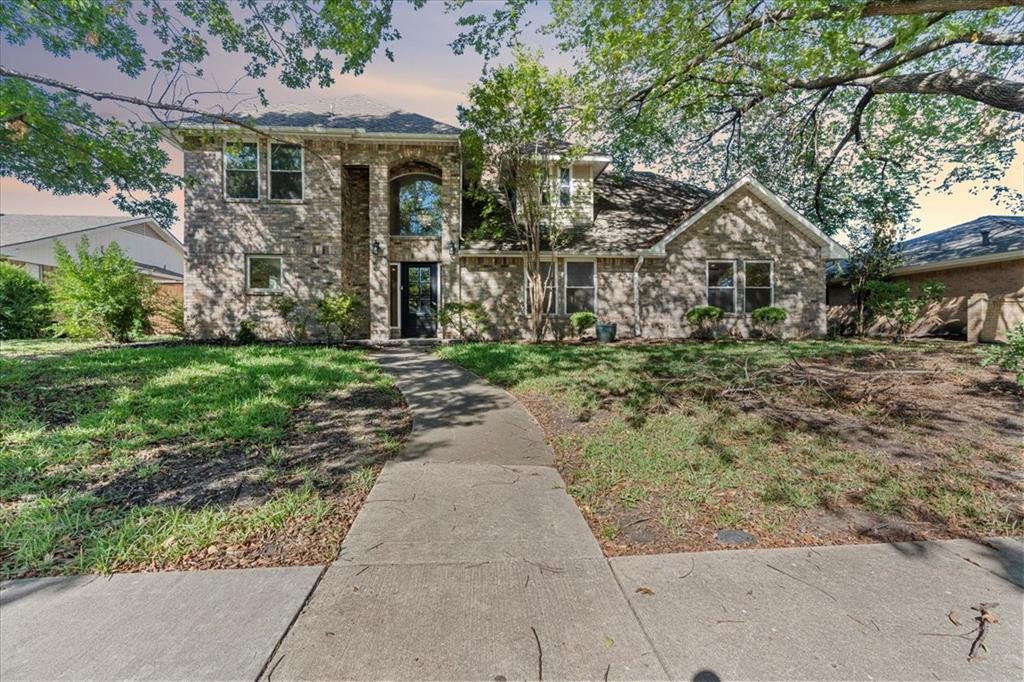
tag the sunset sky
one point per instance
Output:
(425, 77)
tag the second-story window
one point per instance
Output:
(416, 206)
(286, 172)
(241, 170)
(545, 189)
(564, 187)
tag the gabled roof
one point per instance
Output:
(351, 113)
(831, 249)
(966, 242)
(24, 228)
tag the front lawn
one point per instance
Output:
(663, 445)
(186, 456)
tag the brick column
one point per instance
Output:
(977, 311)
(451, 201)
(380, 330)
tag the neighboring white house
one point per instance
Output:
(28, 240)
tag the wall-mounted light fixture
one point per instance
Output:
(375, 247)
(453, 249)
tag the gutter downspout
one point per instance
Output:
(637, 326)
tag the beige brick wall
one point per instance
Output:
(344, 208)
(740, 229)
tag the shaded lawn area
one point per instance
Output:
(37, 348)
(187, 456)
(801, 443)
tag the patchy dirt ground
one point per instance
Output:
(885, 446)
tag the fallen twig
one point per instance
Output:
(801, 580)
(540, 655)
(984, 618)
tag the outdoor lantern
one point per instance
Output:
(452, 249)
(375, 247)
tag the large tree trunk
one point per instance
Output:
(907, 7)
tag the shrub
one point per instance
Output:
(100, 294)
(1009, 356)
(468, 319)
(892, 301)
(582, 321)
(704, 318)
(171, 310)
(768, 320)
(247, 332)
(295, 317)
(25, 310)
(342, 311)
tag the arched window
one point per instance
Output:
(416, 205)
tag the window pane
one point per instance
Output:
(285, 185)
(242, 185)
(286, 157)
(264, 273)
(721, 298)
(579, 299)
(720, 275)
(416, 206)
(579, 274)
(564, 187)
(758, 274)
(240, 156)
(757, 298)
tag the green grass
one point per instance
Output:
(72, 422)
(668, 443)
(15, 348)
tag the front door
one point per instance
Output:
(419, 300)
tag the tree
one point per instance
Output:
(100, 294)
(874, 256)
(848, 109)
(517, 125)
(52, 139)
(25, 310)
(892, 301)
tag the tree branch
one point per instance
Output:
(980, 87)
(852, 134)
(897, 8)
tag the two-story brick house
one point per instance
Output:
(353, 194)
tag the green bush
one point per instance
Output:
(704, 318)
(768, 320)
(25, 310)
(247, 332)
(1009, 356)
(342, 311)
(295, 317)
(892, 301)
(582, 321)
(467, 319)
(100, 294)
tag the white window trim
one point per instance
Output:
(770, 287)
(567, 169)
(708, 287)
(254, 290)
(554, 287)
(224, 170)
(270, 172)
(565, 281)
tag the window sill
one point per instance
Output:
(264, 292)
(432, 237)
(286, 201)
(241, 200)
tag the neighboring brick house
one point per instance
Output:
(349, 193)
(981, 262)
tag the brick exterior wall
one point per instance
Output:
(324, 240)
(1001, 284)
(325, 245)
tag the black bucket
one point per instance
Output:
(605, 332)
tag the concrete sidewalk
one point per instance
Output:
(467, 561)
(199, 625)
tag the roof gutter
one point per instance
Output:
(564, 253)
(173, 133)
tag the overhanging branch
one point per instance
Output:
(991, 90)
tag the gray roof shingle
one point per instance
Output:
(631, 212)
(16, 228)
(341, 113)
(1006, 234)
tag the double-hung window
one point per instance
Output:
(549, 273)
(564, 187)
(721, 285)
(580, 287)
(286, 172)
(241, 170)
(757, 285)
(263, 273)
